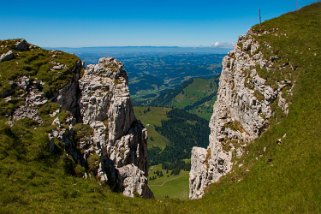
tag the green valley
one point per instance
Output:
(152, 118)
(171, 135)
(196, 95)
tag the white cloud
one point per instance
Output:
(222, 45)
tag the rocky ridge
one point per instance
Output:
(244, 107)
(90, 117)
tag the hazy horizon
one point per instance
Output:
(140, 46)
(117, 51)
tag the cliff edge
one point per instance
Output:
(245, 103)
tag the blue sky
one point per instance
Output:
(71, 23)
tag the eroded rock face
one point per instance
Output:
(198, 171)
(240, 114)
(33, 99)
(68, 97)
(134, 181)
(7, 56)
(22, 45)
(118, 139)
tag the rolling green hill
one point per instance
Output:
(152, 117)
(195, 95)
(172, 133)
(275, 178)
(198, 97)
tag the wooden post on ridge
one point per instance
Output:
(260, 18)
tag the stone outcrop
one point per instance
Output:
(240, 114)
(33, 99)
(7, 56)
(91, 119)
(22, 45)
(118, 138)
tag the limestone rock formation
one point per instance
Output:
(118, 138)
(87, 113)
(22, 45)
(7, 56)
(240, 114)
(33, 98)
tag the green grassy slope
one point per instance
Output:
(286, 178)
(190, 94)
(168, 185)
(152, 117)
(35, 63)
(197, 97)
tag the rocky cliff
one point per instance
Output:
(118, 138)
(246, 101)
(86, 112)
